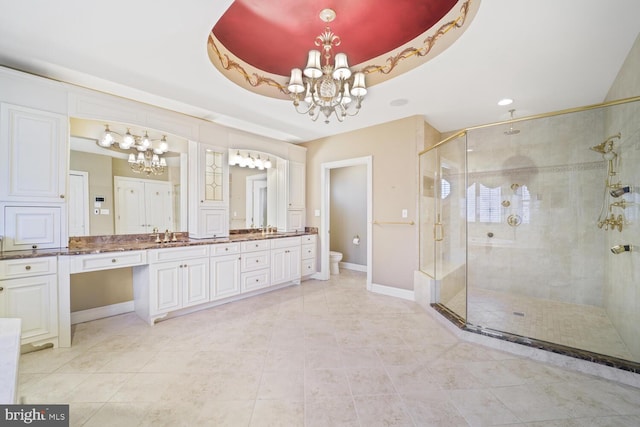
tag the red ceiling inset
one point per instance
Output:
(275, 35)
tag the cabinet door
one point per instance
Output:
(296, 185)
(279, 267)
(295, 263)
(295, 220)
(29, 227)
(213, 176)
(34, 300)
(164, 291)
(225, 276)
(195, 281)
(214, 222)
(33, 153)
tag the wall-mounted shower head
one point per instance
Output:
(617, 192)
(618, 249)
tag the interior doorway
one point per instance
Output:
(325, 213)
(256, 201)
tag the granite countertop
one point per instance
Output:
(136, 242)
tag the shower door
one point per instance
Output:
(443, 247)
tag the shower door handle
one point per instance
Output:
(438, 232)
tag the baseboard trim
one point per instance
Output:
(393, 292)
(351, 266)
(101, 312)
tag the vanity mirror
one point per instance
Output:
(110, 192)
(253, 190)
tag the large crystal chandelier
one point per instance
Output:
(149, 151)
(327, 89)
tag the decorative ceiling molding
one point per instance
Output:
(421, 49)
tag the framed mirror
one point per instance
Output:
(116, 190)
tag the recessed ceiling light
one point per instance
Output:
(505, 101)
(399, 102)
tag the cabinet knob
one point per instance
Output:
(34, 247)
(62, 196)
(257, 280)
(27, 267)
(257, 260)
(1, 289)
(226, 249)
(113, 260)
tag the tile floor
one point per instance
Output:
(579, 326)
(319, 354)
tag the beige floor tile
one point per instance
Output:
(387, 411)
(277, 413)
(331, 412)
(285, 385)
(319, 354)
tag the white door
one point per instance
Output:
(158, 206)
(78, 203)
(129, 207)
(256, 201)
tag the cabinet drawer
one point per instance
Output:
(286, 242)
(254, 261)
(309, 251)
(255, 245)
(180, 253)
(309, 238)
(11, 269)
(225, 249)
(254, 280)
(107, 261)
(308, 266)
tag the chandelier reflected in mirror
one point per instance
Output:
(330, 88)
(149, 160)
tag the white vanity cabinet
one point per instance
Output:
(176, 278)
(285, 260)
(28, 290)
(225, 271)
(209, 191)
(33, 168)
(309, 248)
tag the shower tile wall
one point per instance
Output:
(558, 254)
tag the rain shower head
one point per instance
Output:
(605, 146)
(511, 130)
(618, 249)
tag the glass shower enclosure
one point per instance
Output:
(529, 230)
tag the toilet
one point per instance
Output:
(334, 260)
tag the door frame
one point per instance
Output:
(325, 186)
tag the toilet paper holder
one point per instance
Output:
(356, 240)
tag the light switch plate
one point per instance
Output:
(317, 212)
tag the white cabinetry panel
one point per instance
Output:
(33, 146)
(31, 227)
